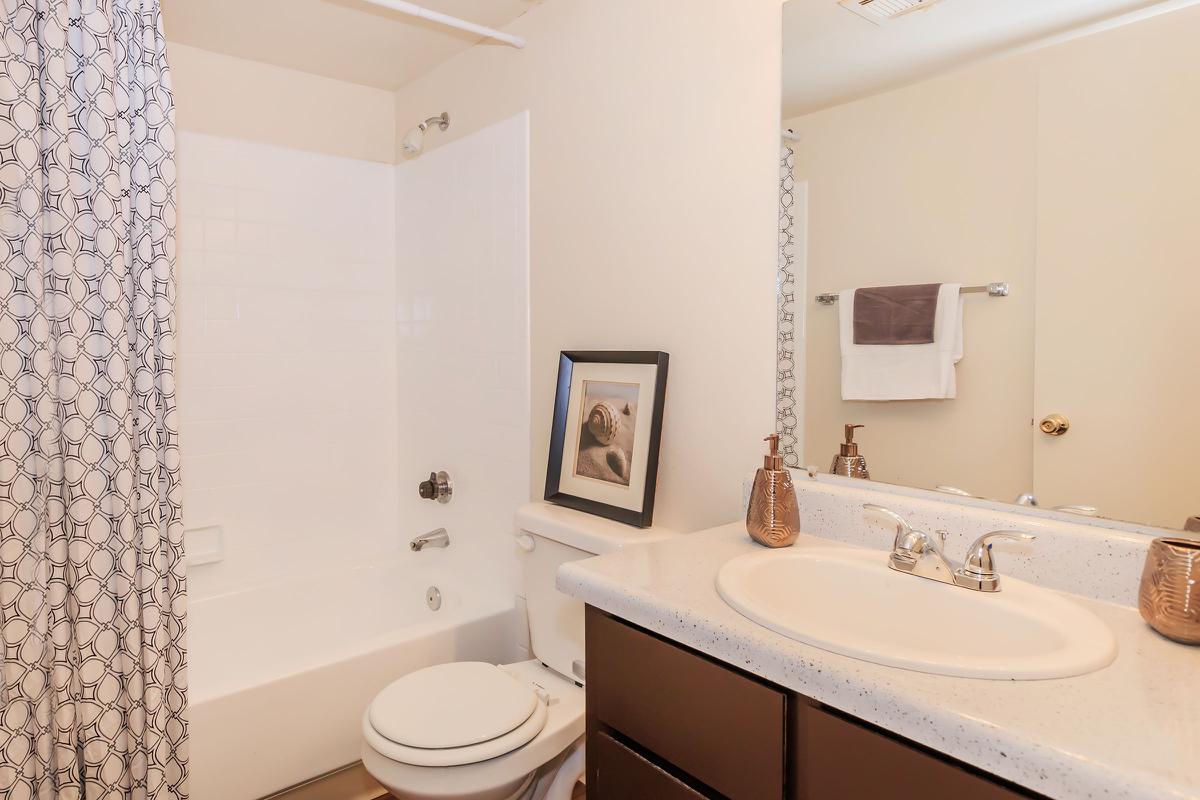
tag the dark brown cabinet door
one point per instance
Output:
(833, 758)
(714, 724)
(618, 773)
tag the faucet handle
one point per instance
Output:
(908, 543)
(902, 527)
(979, 566)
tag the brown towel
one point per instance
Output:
(895, 314)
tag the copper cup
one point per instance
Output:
(1169, 598)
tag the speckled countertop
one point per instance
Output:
(1131, 730)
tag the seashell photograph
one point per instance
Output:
(608, 420)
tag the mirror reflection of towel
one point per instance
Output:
(895, 314)
(903, 371)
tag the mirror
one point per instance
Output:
(1047, 145)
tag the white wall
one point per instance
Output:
(654, 182)
(226, 96)
(462, 227)
(287, 373)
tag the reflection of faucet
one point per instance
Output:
(1028, 499)
(917, 553)
(1085, 511)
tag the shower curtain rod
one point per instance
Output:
(414, 10)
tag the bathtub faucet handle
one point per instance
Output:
(439, 487)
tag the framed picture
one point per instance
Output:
(608, 412)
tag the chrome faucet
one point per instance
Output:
(436, 538)
(917, 553)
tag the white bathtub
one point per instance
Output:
(279, 674)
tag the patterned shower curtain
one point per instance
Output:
(92, 611)
(785, 323)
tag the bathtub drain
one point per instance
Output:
(433, 598)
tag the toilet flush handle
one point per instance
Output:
(577, 667)
(526, 542)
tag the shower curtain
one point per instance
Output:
(92, 617)
(785, 323)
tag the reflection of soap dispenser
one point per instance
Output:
(848, 462)
(773, 516)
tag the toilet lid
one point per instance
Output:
(455, 756)
(452, 705)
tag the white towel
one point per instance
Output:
(903, 371)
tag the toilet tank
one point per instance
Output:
(549, 536)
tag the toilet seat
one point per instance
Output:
(454, 714)
(456, 756)
(496, 778)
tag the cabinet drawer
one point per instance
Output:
(836, 758)
(717, 725)
(620, 774)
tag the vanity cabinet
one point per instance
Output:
(666, 723)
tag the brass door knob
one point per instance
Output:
(1055, 425)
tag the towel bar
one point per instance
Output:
(993, 290)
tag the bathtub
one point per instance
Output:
(279, 674)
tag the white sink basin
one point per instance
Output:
(848, 601)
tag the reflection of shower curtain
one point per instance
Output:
(785, 344)
(92, 620)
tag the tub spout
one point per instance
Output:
(437, 538)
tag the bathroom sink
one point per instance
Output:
(848, 601)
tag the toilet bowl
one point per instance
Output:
(478, 759)
(477, 731)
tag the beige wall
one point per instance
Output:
(1069, 172)
(934, 182)
(226, 96)
(654, 135)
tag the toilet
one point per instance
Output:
(470, 730)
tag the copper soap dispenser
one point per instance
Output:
(773, 516)
(848, 463)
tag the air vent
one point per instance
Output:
(881, 11)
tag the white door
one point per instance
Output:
(1118, 291)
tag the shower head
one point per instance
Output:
(414, 141)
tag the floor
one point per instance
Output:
(580, 793)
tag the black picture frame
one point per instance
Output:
(567, 360)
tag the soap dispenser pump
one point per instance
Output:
(848, 463)
(773, 515)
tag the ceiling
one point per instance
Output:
(831, 55)
(350, 40)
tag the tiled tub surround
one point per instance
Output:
(1131, 730)
(287, 380)
(346, 328)
(462, 307)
